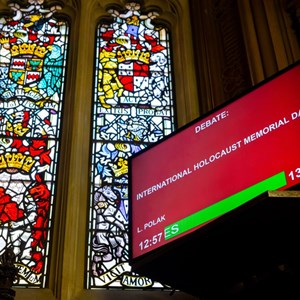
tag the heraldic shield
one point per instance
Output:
(27, 63)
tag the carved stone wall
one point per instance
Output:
(217, 31)
(293, 9)
(238, 44)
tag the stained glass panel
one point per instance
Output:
(33, 47)
(133, 108)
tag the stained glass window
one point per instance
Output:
(133, 107)
(33, 47)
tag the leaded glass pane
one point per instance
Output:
(132, 108)
(33, 47)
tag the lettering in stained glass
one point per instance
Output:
(133, 107)
(33, 47)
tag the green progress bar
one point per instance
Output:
(215, 210)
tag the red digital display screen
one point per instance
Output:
(216, 163)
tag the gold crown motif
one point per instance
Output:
(4, 40)
(16, 128)
(28, 49)
(143, 56)
(17, 160)
(121, 167)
